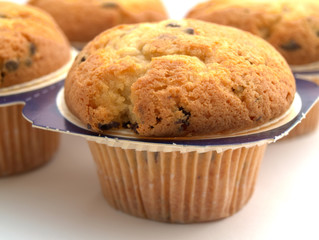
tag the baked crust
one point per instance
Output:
(291, 26)
(32, 45)
(178, 78)
(82, 20)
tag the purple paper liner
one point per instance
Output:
(41, 109)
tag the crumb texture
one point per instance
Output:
(82, 20)
(32, 45)
(291, 26)
(177, 78)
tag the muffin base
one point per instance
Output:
(177, 187)
(22, 147)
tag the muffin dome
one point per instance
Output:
(32, 45)
(291, 26)
(177, 78)
(82, 20)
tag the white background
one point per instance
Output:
(62, 200)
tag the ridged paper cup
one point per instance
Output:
(310, 123)
(179, 180)
(22, 147)
(177, 187)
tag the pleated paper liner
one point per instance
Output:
(177, 183)
(177, 187)
(22, 147)
(310, 123)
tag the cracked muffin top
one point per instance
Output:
(178, 78)
(291, 26)
(82, 20)
(32, 45)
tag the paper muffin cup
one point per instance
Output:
(22, 147)
(178, 180)
(310, 123)
(177, 187)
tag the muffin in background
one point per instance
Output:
(82, 20)
(291, 26)
(32, 46)
(172, 79)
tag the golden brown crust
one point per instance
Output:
(291, 26)
(32, 45)
(82, 20)
(178, 78)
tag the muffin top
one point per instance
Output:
(32, 45)
(177, 78)
(82, 20)
(291, 26)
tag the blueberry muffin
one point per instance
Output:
(32, 46)
(82, 20)
(292, 27)
(178, 78)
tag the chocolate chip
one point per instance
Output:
(11, 65)
(158, 120)
(173, 25)
(108, 126)
(28, 62)
(32, 49)
(317, 33)
(88, 126)
(110, 5)
(291, 45)
(83, 59)
(151, 127)
(184, 121)
(190, 31)
(2, 15)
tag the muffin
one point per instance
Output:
(171, 80)
(82, 20)
(32, 46)
(292, 27)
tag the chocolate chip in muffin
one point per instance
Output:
(110, 5)
(291, 45)
(184, 121)
(83, 59)
(317, 33)
(173, 25)
(11, 65)
(32, 49)
(190, 31)
(2, 15)
(158, 120)
(108, 126)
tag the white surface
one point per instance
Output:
(62, 200)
